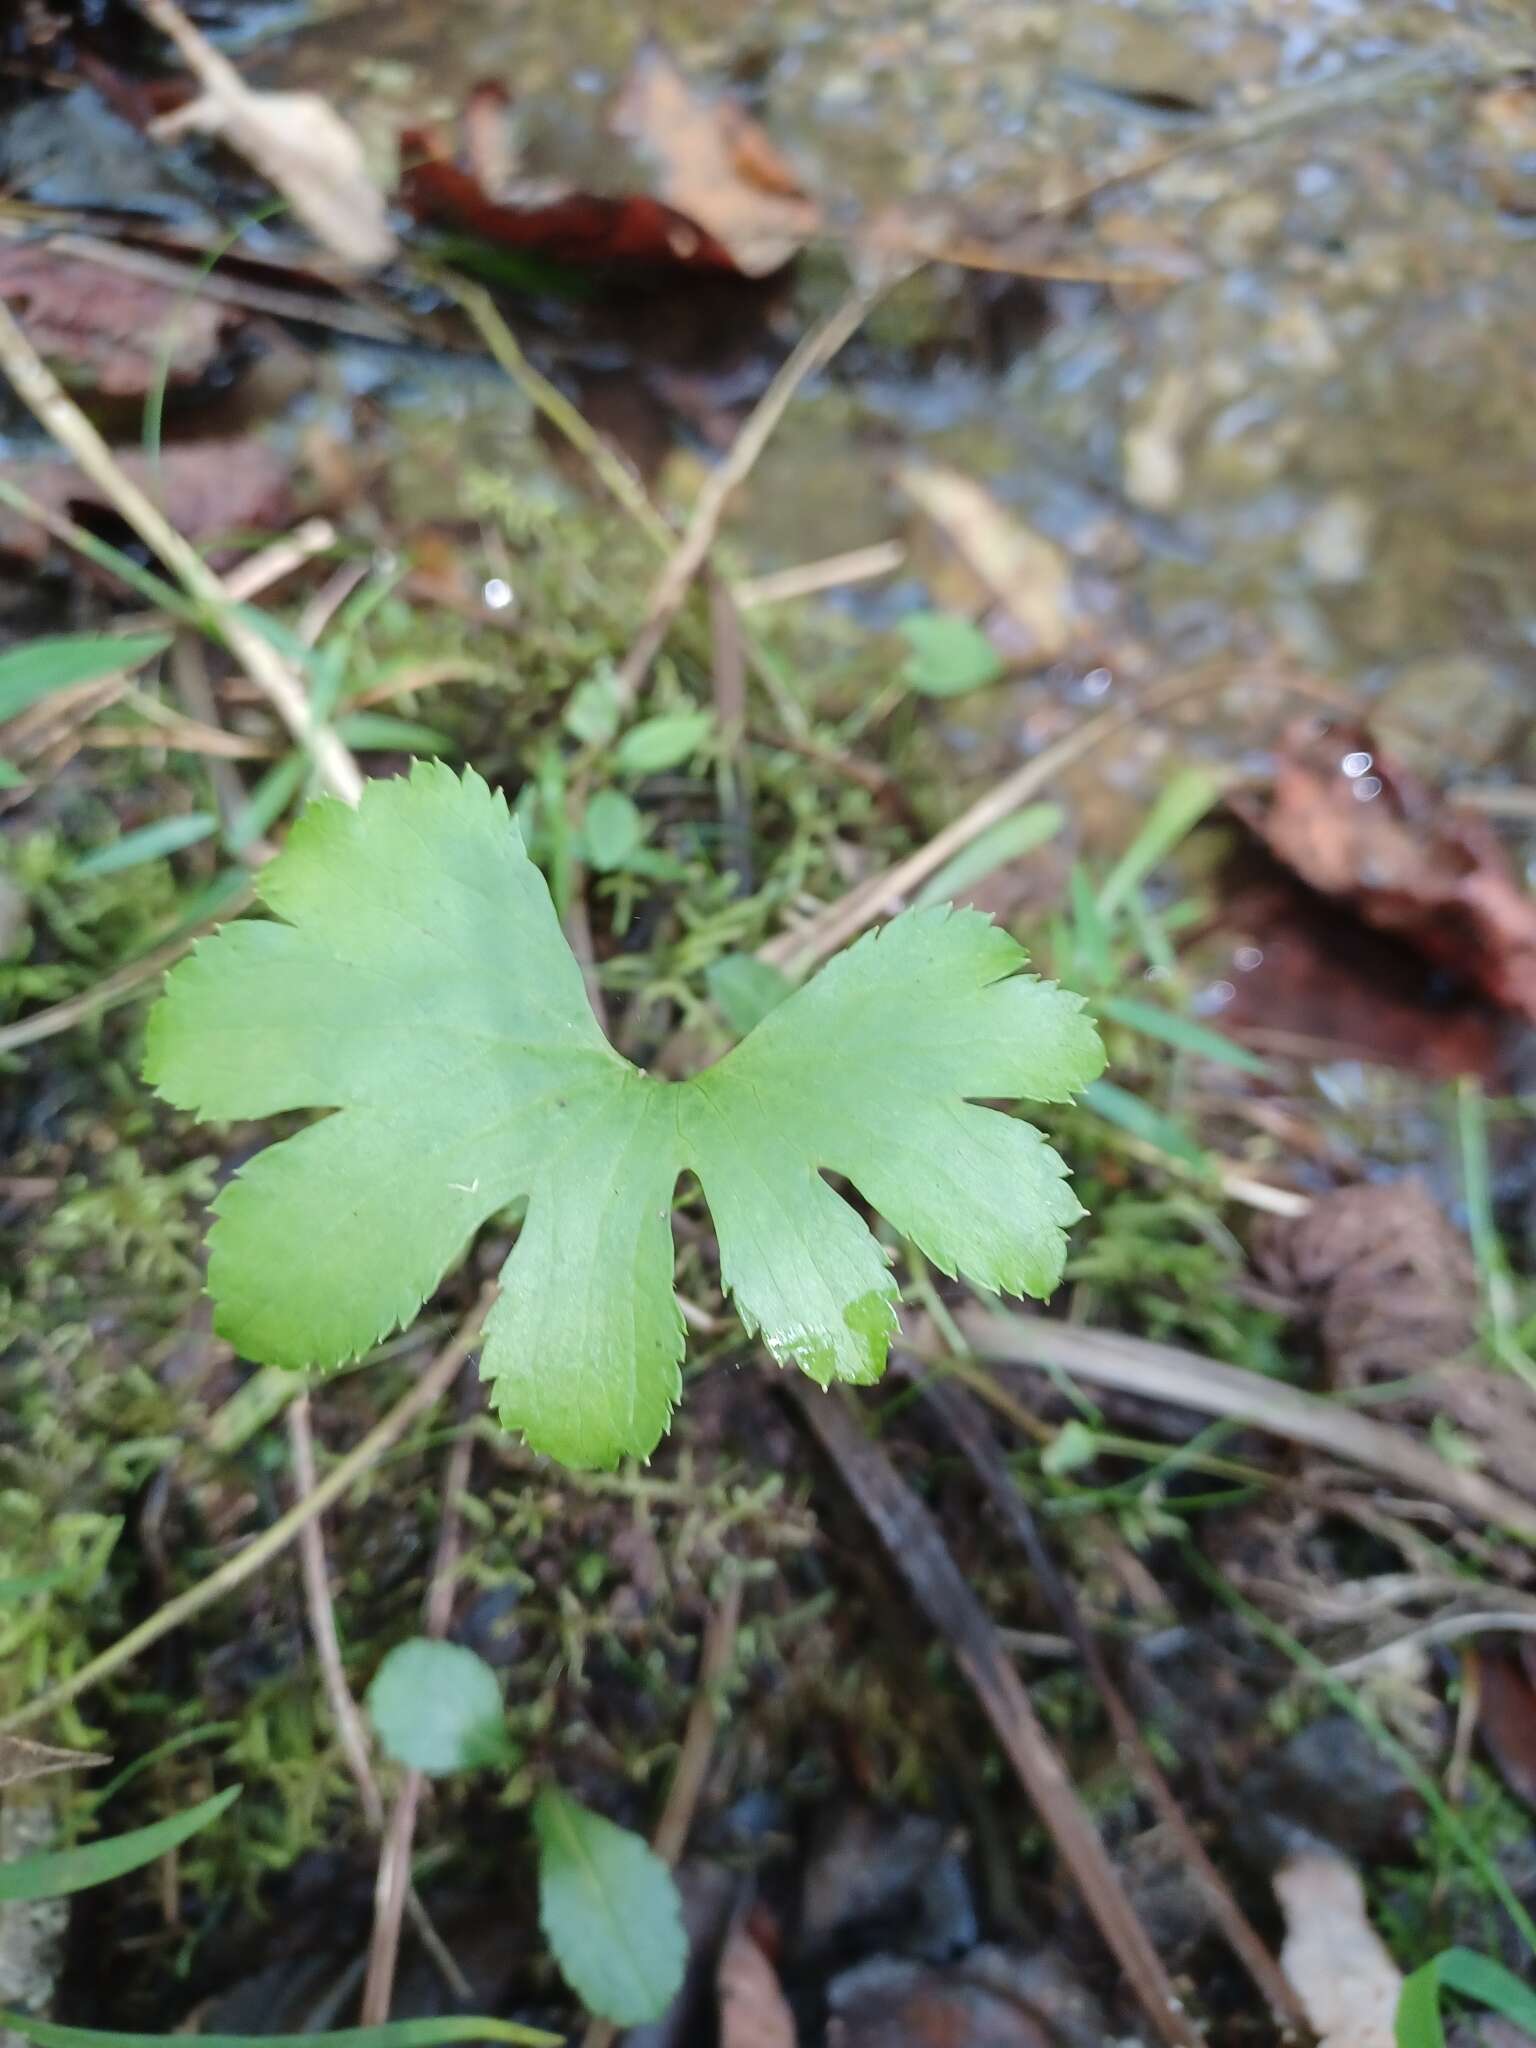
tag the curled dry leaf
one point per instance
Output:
(21, 1760)
(206, 489)
(754, 2012)
(1506, 1714)
(1392, 1284)
(716, 165)
(1335, 1959)
(1026, 573)
(106, 330)
(296, 140)
(1359, 829)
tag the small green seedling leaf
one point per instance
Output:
(592, 711)
(30, 673)
(55, 1872)
(949, 655)
(657, 744)
(437, 1707)
(1419, 2022)
(416, 981)
(746, 989)
(609, 1910)
(381, 732)
(614, 828)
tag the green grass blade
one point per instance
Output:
(1141, 1120)
(1480, 1977)
(1175, 814)
(30, 673)
(393, 2034)
(1010, 839)
(56, 1872)
(1417, 2023)
(150, 842)
(1182, 1032)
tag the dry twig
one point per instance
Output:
(813, 352)
(36, 384)
(911, 1536)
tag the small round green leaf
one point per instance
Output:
(949, 655)
(614, 829)
(656, 744)
(438, 1708)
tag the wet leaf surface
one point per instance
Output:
(107, 330)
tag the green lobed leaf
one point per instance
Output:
(30, 673)
(609, 1910)
(438, 1708)
(419, 985)
(53, 1873)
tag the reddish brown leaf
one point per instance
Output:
(754, 2012)
(1362, 831)
(207, 489)
(1506, 1719)
(107, 330)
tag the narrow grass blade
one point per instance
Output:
(1010, 839)
(1418, 2023)
(151, 842)
(1480, 1977)
(1140, 1120)
(30, 673)
(58, 1871)
(1178, 809)
(393, 2034)
(1182, 1032)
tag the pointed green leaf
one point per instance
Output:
(420, 987)
(55, 1872)
(30, 673)
(438, 1708)
(949, 655)
(609, 1910)
(391, 2034)
(656, 744)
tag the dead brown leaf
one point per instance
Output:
(206, 489)
(716, 165)
(754, 2012)
(21, 1760)
(1361, 830)
(1333, 1956)
(1025, 572)
(296, 140)
(107, 330)
(1506, 1717)
(1392, 1283)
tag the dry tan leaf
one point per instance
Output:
(21, 1760)
(1027, 573)
(716, 165)
(1333, 1956)
(295, 139)
(754, 2012)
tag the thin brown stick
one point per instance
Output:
(350, 1729)
(832, 572)
(919, 1552)
(427, 1391)
(693, 1759)
(803, 946)
(393, 1891)
(36, 384)
(967, 1424)
(812, 353)
(1165, 1372)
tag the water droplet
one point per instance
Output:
(1212, 998)
(498, 595)
(1367, 787)
(1097, 683)
(1246, 958)
(1355, 765)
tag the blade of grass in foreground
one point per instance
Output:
(58, 1871)
(394, 2034)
